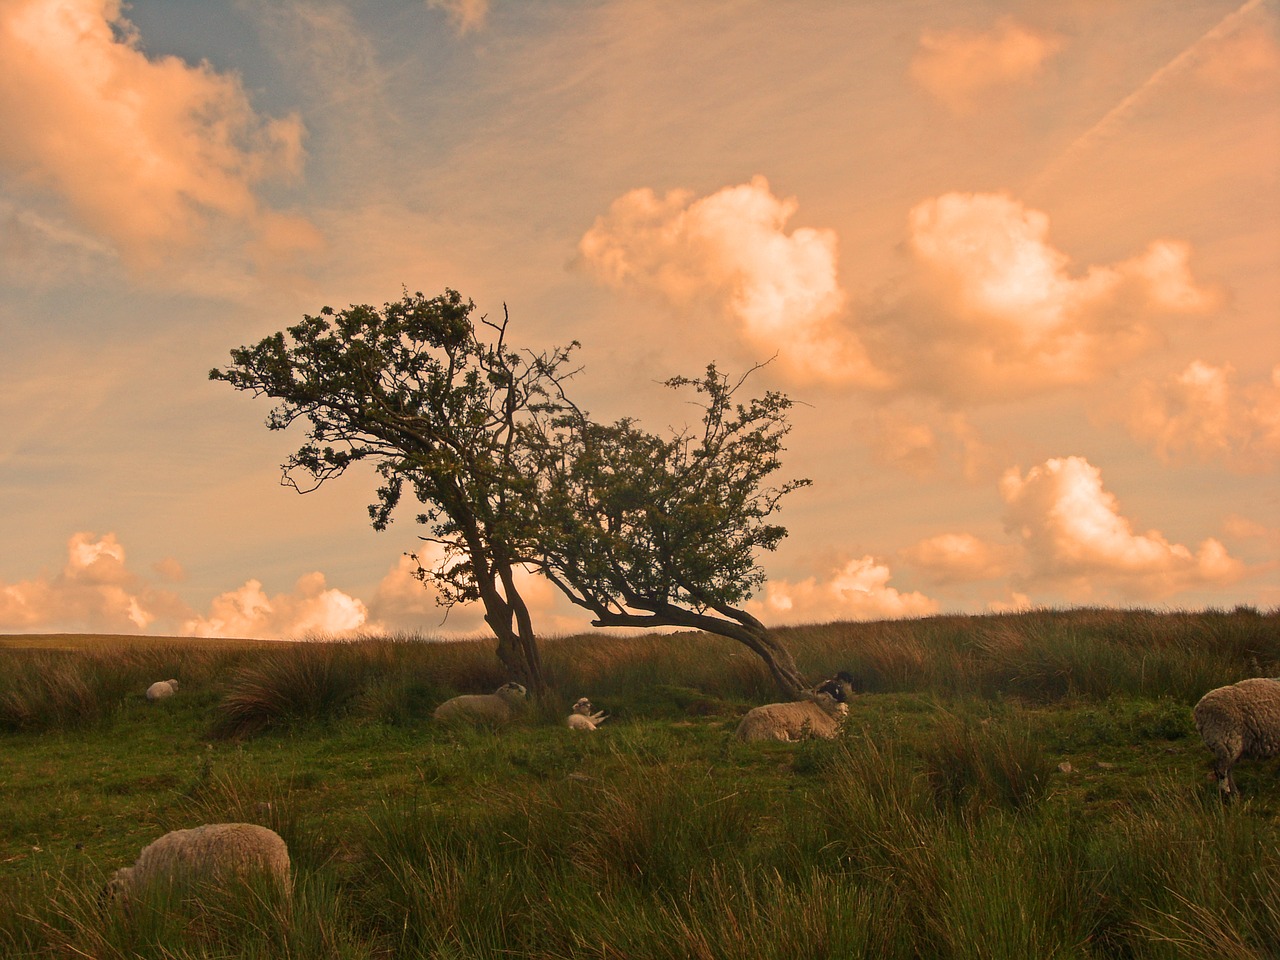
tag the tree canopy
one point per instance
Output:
(640, 529)
(645, 530)
(413, 389)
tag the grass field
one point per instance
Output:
(1025, 786)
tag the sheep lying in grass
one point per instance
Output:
(842, 687)
(484, 708)
(818, 715)
(1239, 722)
(582, 718)
(216, 854)
(161, 689)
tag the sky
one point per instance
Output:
(1018, 264)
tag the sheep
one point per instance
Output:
(1237, 722)
(818, 715)
(582, 718)
(841, 687)
(484, 708)
(217, 854)
(161, 689)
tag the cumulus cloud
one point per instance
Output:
(858, 590)
(1075, 537)
(1202, 414)
(731, 249)
(988, 308)
(402, 602)
(312, 609)
(962, 558)
(992, 310)
(465, 15)
(143, 151)
(959, 66)
(94, 591)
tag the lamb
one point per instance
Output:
(484, 708)
(582, 718)
(161, 689)
(217, 854)
(1240, 721)
(818, 715)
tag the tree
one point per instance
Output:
(647, 531)
(413, 390)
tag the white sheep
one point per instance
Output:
(161, 689)
(582, 718)
(1240, 721)
(217, 854)
(484, 708)
(818, 715)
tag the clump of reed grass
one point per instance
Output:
(973, 765)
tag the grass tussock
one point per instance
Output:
(1016, 786)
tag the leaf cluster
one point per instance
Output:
(636, 521)
(413, 389)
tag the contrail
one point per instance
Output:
(1126, 107)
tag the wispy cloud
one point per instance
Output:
(1201, 413)
(145, 152)
(464, 15)
(959, 67)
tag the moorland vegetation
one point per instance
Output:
(1021, 785)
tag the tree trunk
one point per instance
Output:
(517, 650)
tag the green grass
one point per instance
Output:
(1012, 786)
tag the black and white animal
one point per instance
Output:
(842, 687)
(1240, 722)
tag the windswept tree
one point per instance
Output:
(413, 390)
(647, 531)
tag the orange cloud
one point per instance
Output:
(730, 249)
(859, 590)
(1200, 413)
(465, 15)
(958, 66)
(94, 591)
(311, 610)
(143, 151)
(961, 558)
(991, 309)
(1246, 61)
(1075, 537)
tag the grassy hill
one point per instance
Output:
(1025, 785)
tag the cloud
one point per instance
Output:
(858, 590)
(465, 15)
(404, 603)
(145, 152)
(730, 249)
(959, 66)
(992, 310)
(962, 558)
(1075, 537)
(94, 592)
(313, 609)
(924, 444)
(988, 308)
(1200, 413)
(1247, 61)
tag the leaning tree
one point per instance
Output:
(646, 530)
(415, 391)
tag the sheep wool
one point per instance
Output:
(489, 709)
(819, 715)
(217, 854)
(161, 689)
(583, 718)
(1240, 722)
